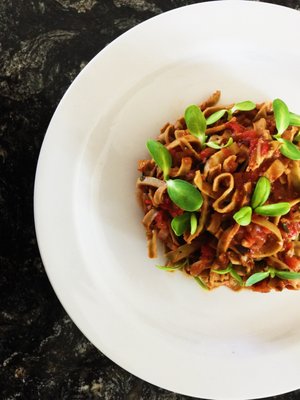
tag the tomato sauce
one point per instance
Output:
(253, 237)
(169, 206)
(293, 263)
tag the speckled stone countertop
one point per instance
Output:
(43, 46)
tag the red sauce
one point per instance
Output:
(291, 229)
(243, 177)
(280, 192)
(265, 147)
(235, 127)
(293, 263)
(169, 206)
(161, 220)
(252, 236)
(207, 252)
(204, 154)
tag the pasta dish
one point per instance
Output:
(221, 191)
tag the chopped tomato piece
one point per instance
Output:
(204, 154)
(264, 148)
(235, 127)
(293, 263)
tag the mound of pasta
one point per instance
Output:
(221, 191)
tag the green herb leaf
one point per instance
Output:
(180, 223)
(273, 210)
(196, 122)
(161, 156)
(261, 192)
(237, 277)
(289, 149)
(214, 145)
(175, 267)
(294, 119)
(223, 271)
(287, 274)
(193, 223)
(184, 194)
(200, 282)
(243, 216)
(215, 117)
(272, 272)
(282, 115)
(243, 106)
(257, 277)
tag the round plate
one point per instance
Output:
(161, 326)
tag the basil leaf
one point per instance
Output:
(223, 271)
(289, 149)
(261, 192)
(193, 223)
(215, 117)
(200, 282)
(243, 106)
(214, 145)
(287, 274)
(184, 194)
(161, 156)
(170, 267)
(257, 277)
(180, 223)
(243, 216)
(273, 210)
(281, 114)
(195, 122)
(237, 277)
(294, 119)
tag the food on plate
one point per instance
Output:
(221, 191)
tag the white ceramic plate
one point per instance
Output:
(161, 326)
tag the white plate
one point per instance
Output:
(160, 326)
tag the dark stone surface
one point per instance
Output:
(43, 46)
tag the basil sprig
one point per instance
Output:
(161, 156)
(174, 267)
(284, 118)
(181, 223)
(294, 119)
(289, 150)
(195, 122)
(257, 277)
(274, 210)
(242, 106)
(260, 196)
(261, 192)
(272, 272)
(193, 223)
(231, 271)
(201, 283)
(243, 216)
(215, 116)
(282, 115)
(217, 146)
(182, 193)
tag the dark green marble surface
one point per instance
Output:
(43, 46)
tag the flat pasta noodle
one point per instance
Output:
(226, 177)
